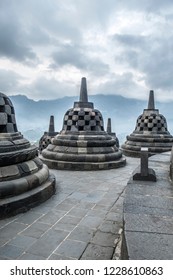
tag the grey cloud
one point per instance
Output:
(158, 66)
(9, 81)
(95, 11)
(151, 56)
(132, 41)
(12, 42)
(75, 55)
(97, 68)
(50, 20)
(32, 23)
(148, 6)
(11, 47)
(71, 55)
(123, 84)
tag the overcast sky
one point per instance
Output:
(121, 46)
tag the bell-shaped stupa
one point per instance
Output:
(45, 140)
(24, 179)
(109, 131)
(82, 143)
(150, 131)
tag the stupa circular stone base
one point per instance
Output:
(155, 143)
(84, 166)
(23, 186)
(83, 151)
(135, 150)
(24, 201)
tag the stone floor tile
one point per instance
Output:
(97, 213)
(64, 206)
(47, 243)
(133, 209)
(42, 209)
(51, 217)
(78, 195)
(27, 256)
(10, 230)
(97, 252)
(28, 218)
(81, 233)
(102, 207)
(113, 216)
(4, 258)
(22, 241)
(67, 219)
(78, 212)
(7, 221)
(60, 257)
(10, 251)
(85, 205)
(64, 226)
(3, 241)
(91, 222)
(110, 226)
(36, 230)
(107, 202)
(149, 223)
(94, 196)
(71, 248)
(150, 201)
(157, 246)
(103, 239)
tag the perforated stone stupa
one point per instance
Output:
(45, 140)
(24, 180)
(109, 131)
(151, 131)
(82, 143)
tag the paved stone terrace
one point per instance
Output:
(148, 214)
(81, 221)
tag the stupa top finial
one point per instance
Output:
(51, 125)
(109, 128)
(83, 91)
(151, 105)
(83, 99)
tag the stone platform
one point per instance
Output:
(84, 219)
(148, 215)
(81, 221)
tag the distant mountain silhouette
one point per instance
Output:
(33, 116)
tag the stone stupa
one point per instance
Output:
(45, 140)
(82, 143)
(150, 132)
(113, 134)
(24, 180)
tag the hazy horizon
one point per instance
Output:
(122, 111)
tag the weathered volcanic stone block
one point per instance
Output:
(3, 118)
